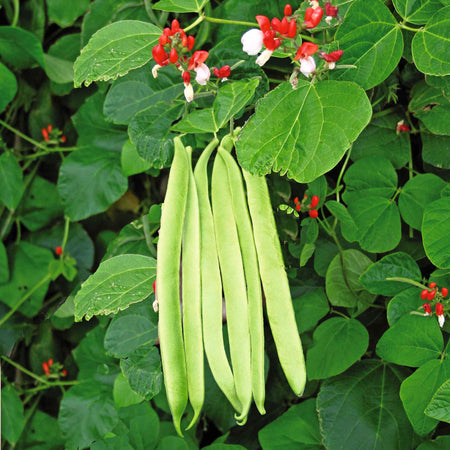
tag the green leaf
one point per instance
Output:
(8, 87)
(430, 44)
(123, 394)
(11, 180)
(90, 181)
(431, 107)
(342, 282)
(378, 222)
(41, 205)
(115, 50)
(232, 98)
(42, 431)
(371, 41)
(198, 121)
(348, 226)
(139, 90)
(132, 163)
(309, 307)
(4, 268)
(65, 13)
(93, 129)
(438, 408)
(58, 70)
(130, 330)
(435, 149)
(412, 341)
(371, 176)
(13, 421)
(440, 443)
(298, 425)
(324, 254)
(143, 371)
(394, 265)
(117, 283)
(381, 139)
(436, 232)
(182, 6)
(87, 408)
(403, 303)
(303, 131)
(417, 11)
(172, 443)
(338, 344)
(29, 267)
(416, 194)
(417, 391)
(20, 49)
(150, 132)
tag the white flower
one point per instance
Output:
(188, 92)
(155, 69)
(307, 66)
(441, 320)
(203, 74)
(263, 57)
(252, 41)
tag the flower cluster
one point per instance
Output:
(434, 295)
(52, 136)
(53, 369)
(311, 208)
(173, 48)
(272, 33)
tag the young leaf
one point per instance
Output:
(117, 283)
(381, 423)
(303, 132)
(338, 344)
(412, 341)
(403, 303)
(65, 13)
(115, 50)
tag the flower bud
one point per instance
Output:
(288, 10)
(188, 92)
(444, 292)
(263, 57)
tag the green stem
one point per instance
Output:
(411, 176)
(51, 385)
(407, 280)
(196, 22)
(396, 194)
(385, 112)
(150, 13)
(16, 13)
(23, 136)
(6, 224)
(66, 232)
(230, 22)
(333, 311)
(341, 173)
(50, 150)
(24, 370)
(148, 237)
(24, 299)
(406, 27)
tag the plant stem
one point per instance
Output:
(382, 113)
(406, 27)
(196, 22)
(333, 311)
(50, 385)
(230, 22)
(341, 173)
(24, 370)
(148, 237)
(6, 224)
(23, 299)
(407, 280)
(16, 13)
(66, 232)
(23, 136)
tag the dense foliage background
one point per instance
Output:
(369, 138)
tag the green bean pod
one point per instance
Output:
(191, 295)
(234, 287)
(280, 311)
(252, 277)
(211, 286)
(168, 270)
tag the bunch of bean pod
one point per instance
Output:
(229, 247)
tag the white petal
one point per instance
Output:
(263, 57)
(307, 66)
(441, 320)
(252, 41)
(188, 92)
(203, 74)
(155, 69)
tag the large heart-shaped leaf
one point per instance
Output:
(438, 407)
(303, 131)
(115, 50)
(417, 11)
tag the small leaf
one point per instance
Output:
(430, 44)
(309, 307)
(63, 13)
(348, 226)
(399, 264)
(8, 87)
(440, 443)
(403, 303)
(417, 391)
(298, 425)
(182, 6)
(338, 344)
(198, 121)
(117, 283)
(13, 421)
(132, 163)
(11, 180)
(436, 232)
(58, 70)
(303, 132)
(435, 149)
(123, 394)
(412, 341)
(114, 50)
(438, 408)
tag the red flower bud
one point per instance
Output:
(427, 308)
(431, 295)
(184, 41)
(160, 55)
(276, 24)
(173, 56)
(298, 207)
(306, 49)
(313, 16)
(58, 250)
(288, 10)
(223, 72)
(175, 26)
(64, 372)
(284, 26)
(424, 294)
(45, 134)
(167, 32)
(187, 79)
(50, 362)
(46, 368)
(444, 292)
(331, 10)
(401, 127)
(154, 286)
(439, 309)
(163, 39)
(332, 56)
(190, 42)
(292, 29)
(314, 201)
(313, 213)
(50, 128)
(296, 200)
(63, 138)
(432, 285)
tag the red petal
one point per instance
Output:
(292, 30)
(263, 23)
(276, 24)
(284, 26)
(190, 42)
(173, 56)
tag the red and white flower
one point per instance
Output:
(304, 54)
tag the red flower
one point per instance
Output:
(173, 56)
(314, 201)
(313, 213)
(313, 16)
(332, 56)
(444, 292)
(401, 127)
(46, 368)
(160, 55)
(427, 309)
(197, 59)
(424, 294)
(331, 11)
(223, 72)
(306, 49)
(58, 250)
